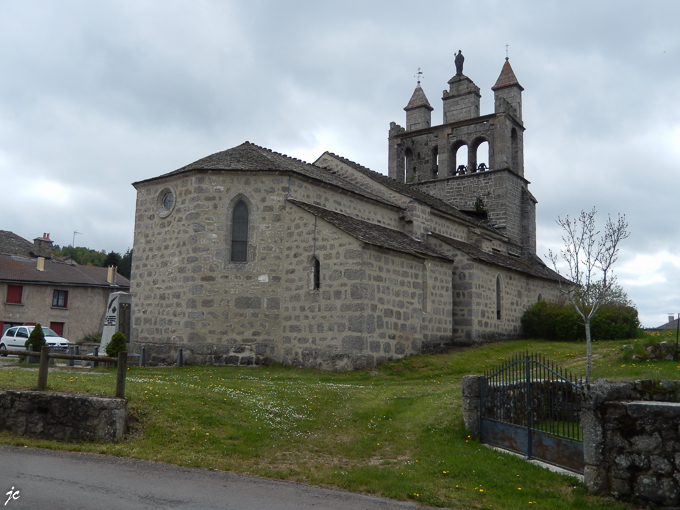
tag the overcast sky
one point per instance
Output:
(97, 95)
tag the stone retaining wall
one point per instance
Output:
(63, 416)
(631, 432)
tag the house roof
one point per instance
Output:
(371, 233)
(251, 157)
(533, 266)
(13, 244)
(15, 268)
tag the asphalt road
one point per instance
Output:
(44, 479)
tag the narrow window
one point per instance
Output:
(540, 297)
(60, 298)
(14, 293)
(498, 297)
(239, 233)
(514, 149)
(317, 274)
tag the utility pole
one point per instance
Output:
(73, 243)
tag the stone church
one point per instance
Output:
(249, 256)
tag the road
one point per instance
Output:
(45, 479)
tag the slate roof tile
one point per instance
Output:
(14, 268)
(373, 234)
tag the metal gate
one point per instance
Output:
(533, 407)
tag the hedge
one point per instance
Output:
(553, 321)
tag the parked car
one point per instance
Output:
(15, 338)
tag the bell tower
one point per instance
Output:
(474, 162)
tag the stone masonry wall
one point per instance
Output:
(63, 417)
(474, 300)
(631, 434)
(500, 190)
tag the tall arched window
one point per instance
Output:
(317, 274)
(498, 297)
(239, 233)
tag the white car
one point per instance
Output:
(15, 338)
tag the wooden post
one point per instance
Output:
(43, 367)
(120, 374)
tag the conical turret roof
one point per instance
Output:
(507, 78)
(418, 99)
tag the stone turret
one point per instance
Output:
(418, 111)
(508, 93)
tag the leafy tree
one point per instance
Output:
(125, 267)
(590, 257)
(112, 259)
(36, 338)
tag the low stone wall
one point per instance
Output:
(631, 433)
(63, 416)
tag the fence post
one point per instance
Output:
(529, 398)
(71, 350)
(142, 357)
(44, 366)
(95, 364)
(180, 358)
(120, 374)
(29, 359)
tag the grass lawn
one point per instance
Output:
(395, 431)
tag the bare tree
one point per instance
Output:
(590, 257)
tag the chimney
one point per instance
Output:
(111, 275)
(42, 246)
(671, 318)
(41, 263)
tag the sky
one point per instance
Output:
(97, 95)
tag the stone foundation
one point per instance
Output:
(63, 416)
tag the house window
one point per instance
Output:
(317, 274)
(60, 298)
(14, 294)
(239, 233)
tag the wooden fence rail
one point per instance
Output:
(45, 356)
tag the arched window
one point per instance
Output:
(482, 158)
(435, 162)
(540, 297)
(498, 297)
(239, 233)
(317, 274)
(409, 168)
(460, 159)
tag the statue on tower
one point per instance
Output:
(459, 63)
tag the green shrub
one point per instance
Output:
(36, 338)
(116, 345)
(553, 321)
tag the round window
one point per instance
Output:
(165, 202)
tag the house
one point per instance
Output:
(37, 288)
(248, 256)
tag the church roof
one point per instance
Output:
(507, 78)
(414, 192)
(251, 157)
(14, 268)
(371, 233)
(533, 267)
(418, 99)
